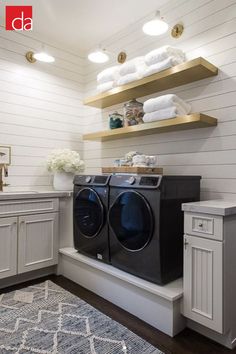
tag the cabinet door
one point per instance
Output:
(203, 285)
(8, 247)
(37, 241)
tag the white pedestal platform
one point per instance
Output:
(157, 305)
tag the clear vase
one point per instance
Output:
(63, 181)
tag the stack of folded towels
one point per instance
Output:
(162, 58)
(164, 107)
(157, 60)
(107, 78)
(131, 70)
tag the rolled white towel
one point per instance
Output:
(165, 101)
(165, 113)
(163, 53)
(132, 66)
(109, 74)
(123, 80)
(106, 86)
(163, 65)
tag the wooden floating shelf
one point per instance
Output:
(134, 169)
(191, 121)
(184, 73)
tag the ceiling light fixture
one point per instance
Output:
(155, 27)
(40, 56)
(99, 56)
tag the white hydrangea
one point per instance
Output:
(64, 160)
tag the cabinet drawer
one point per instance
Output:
(28, 206)
(207, 226)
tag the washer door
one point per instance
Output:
(131, 220)
(88, 212)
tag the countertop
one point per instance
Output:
(34, 195)
(215, 207)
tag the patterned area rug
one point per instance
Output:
(46, 319)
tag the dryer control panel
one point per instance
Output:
(136, 181)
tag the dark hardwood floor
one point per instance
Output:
(187, 342)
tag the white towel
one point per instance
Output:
(123, 80)
(109, 74)
(165, 113)
(163, 65)
(165, 101)
(163, 53)
(132, 66)
(106, 86)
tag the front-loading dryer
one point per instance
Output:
(90, 207)
(146, 224)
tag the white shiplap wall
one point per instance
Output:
(40, 107)
(210, 31)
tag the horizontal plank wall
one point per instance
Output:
(210, 31)
(40, 107)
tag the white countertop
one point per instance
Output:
(216, 207)
(34, 194)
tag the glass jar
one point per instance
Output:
(116, 120)
(133, 113)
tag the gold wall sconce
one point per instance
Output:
(40, 56)
(177, 30)
(121, 58)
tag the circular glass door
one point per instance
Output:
(88, 212)
(131, 220)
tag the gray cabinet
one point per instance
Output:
(8, 247)
(203, 289)
(209, 269)
(37, 241)
(28, 236)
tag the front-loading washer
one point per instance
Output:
(90, 207)
(146, 224)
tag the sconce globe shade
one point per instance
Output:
(155, 27)
(98, 56)
(42, 56)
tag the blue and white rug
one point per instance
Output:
(47, 319)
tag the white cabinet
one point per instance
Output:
(28, 236)
(8, 247)
(203, 301)
(37, 241)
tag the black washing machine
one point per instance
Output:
(90, 207)
(146, 224)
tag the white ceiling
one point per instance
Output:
(79, 25)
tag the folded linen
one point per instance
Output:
(109, 74)
(165, 113)
(162, 65)
(132, 66)
(129, 78)
(165, 101)
(163, 53)
(105, 86)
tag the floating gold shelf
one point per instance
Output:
(191, 121)
(185, 73)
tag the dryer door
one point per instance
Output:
(131, 220)
(88, 212)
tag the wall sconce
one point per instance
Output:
(40, 56)
(177, 30)
(100, 55)
(155, 27)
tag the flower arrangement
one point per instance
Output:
(64, 160)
